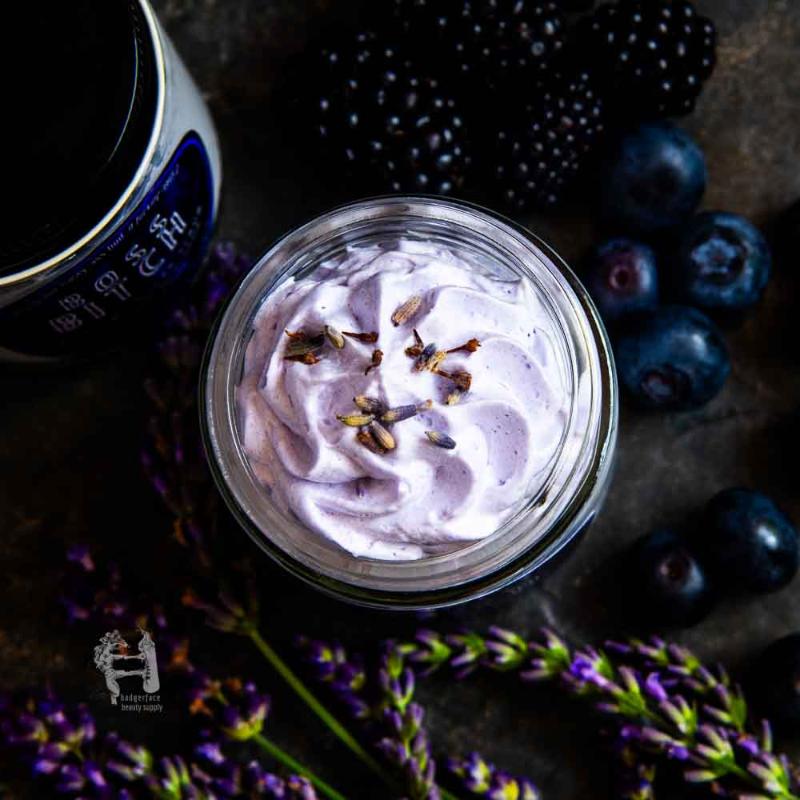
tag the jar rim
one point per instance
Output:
(11, 279)
(393, 583)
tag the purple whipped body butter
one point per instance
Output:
(300, 423)
(410, 402)
(113, 180)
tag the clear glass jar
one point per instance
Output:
(544, 522)
(128, 224)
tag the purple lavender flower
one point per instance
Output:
(127, 761)
(507, 650)
(383, 701)
(330, 664)
(655, 688)
(59, 744)
(483, 779)
(236, 709)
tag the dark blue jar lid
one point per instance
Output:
(79, 104)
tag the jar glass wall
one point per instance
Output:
(543, 521)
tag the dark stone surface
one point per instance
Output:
(69, 460)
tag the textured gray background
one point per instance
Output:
(69, 456)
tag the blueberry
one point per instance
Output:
(666, 582)
(673, 358)
(747, 542)
(776, 682)
(654, 179)
(723, 262)
(622, 278)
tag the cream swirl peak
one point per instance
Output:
(369, 333)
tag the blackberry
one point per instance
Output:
(389, 121)
(654, 55)
(493, 42)
(540, 154)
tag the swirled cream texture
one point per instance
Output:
(418, 498)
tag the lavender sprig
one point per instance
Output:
(662, 699)
(59, 744)
(382, 701)
(406, 742)
(483, 779)
(502, 650)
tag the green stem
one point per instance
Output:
(296, 767)
(280, 666)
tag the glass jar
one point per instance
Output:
(544, 523)
(114, 182)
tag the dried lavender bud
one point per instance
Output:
(368, 404)
(368, 338)
(366, 439)
(441, 439)
(428, 352)
(377, 359)
(382, 436)
(468, 347)
(308, 358)
(406, 311)
(301, 346)
(414, 351)
(334, 336)
(355, 420)
(461, 378)
(398, 414)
